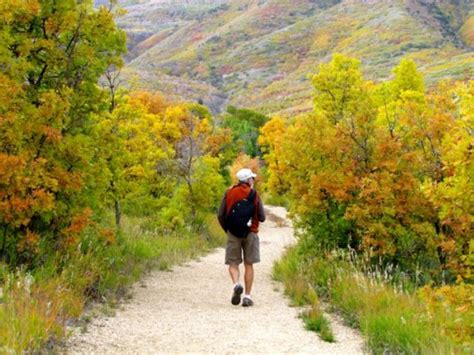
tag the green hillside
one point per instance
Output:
(258, 53)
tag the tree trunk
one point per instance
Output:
(118, 214)
(4, 240)
(191, 197)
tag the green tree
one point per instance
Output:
(245, 125)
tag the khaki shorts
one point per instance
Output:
(250, 246)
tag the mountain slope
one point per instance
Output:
(258, 53)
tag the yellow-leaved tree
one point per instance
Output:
(381, 168)
(51, 57)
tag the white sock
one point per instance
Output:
(248, 296)
(237, 283)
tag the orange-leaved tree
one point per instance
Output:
(51, 57)
(381, 167)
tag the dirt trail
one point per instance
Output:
(189, 310)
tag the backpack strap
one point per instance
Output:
(252, 195)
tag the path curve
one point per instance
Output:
(189, 310)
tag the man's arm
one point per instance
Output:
(260, 210)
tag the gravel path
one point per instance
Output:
(189, 310)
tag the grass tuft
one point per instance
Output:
(316, 321)
(302, 293)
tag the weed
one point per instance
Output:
(316, 321)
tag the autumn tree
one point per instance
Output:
(133, 143)
(338, 86)
(51, 57)
(371, 167)
(162, 159)
(270, 141)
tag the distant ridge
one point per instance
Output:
(258, 53)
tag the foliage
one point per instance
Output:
(158, 152)
(270, 141)
(68, 155)
(244, 125)
(453, 304)
(71, 152)
(158, 163)
(244, 161)
(386, 169)
(51, 55)
(467, 31)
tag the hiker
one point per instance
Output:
(240, 212)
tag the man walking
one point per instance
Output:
(247, 242)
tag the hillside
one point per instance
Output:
(258, 53)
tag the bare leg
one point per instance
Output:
(248, 278)
(234, 272)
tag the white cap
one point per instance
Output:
(245, 174)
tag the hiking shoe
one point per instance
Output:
(247, 302)
(238, 289)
